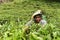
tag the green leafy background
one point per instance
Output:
(15, 14)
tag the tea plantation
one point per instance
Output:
(16, 13)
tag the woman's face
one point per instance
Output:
(38, 19)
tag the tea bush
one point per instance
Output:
(14, 15)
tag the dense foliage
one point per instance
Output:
(14, 15)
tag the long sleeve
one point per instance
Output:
(29, 23)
